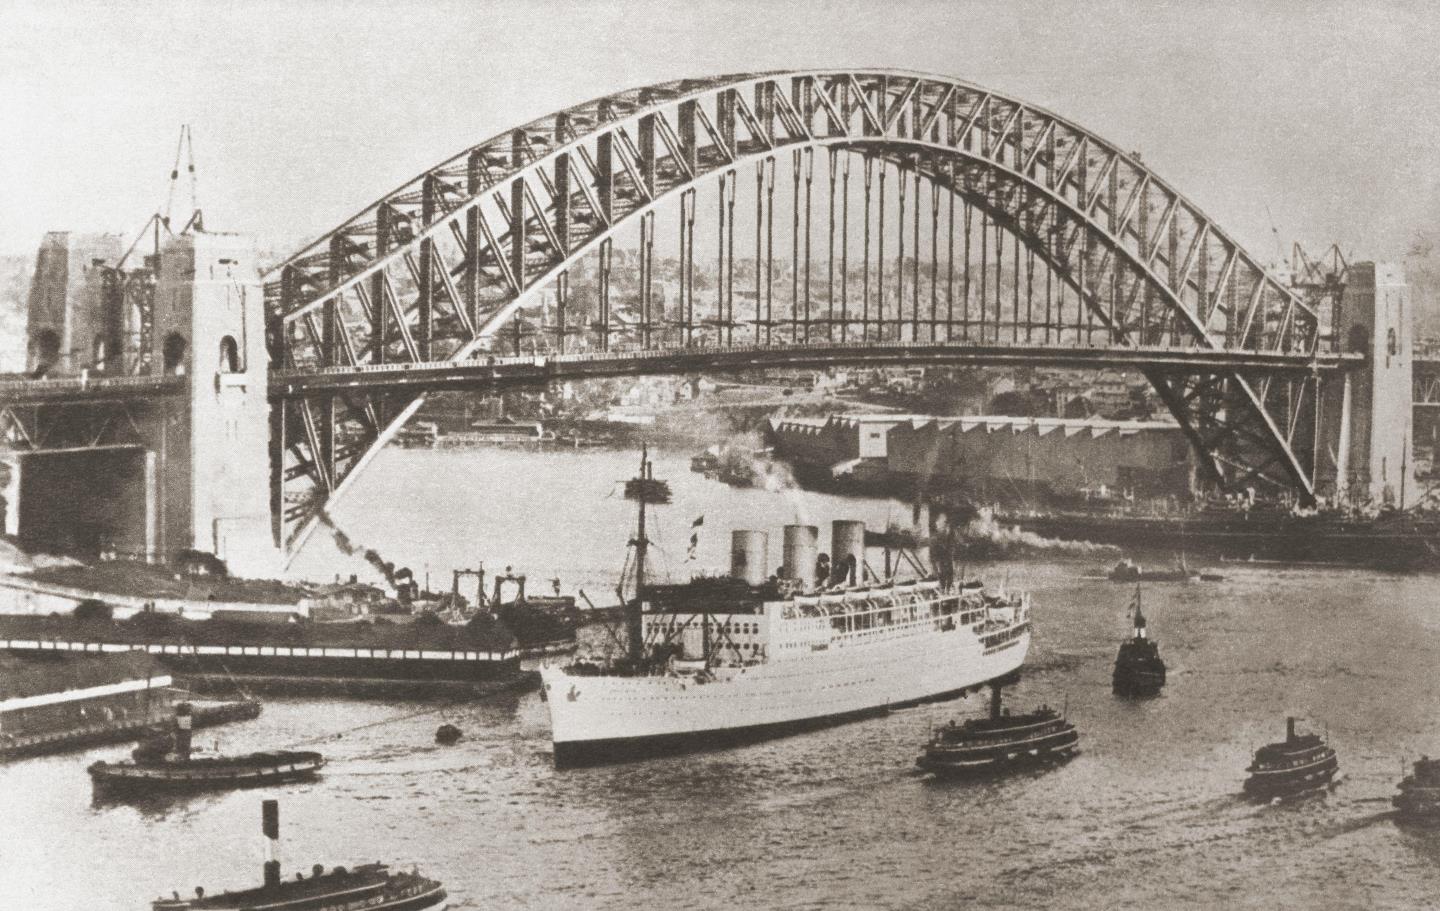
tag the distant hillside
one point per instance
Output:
(14, 290)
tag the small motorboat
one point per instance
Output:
(1298, 765)
(367, 886)
(1000, 742)
(169, 764)
(1139, 669)
(1419, 797)
(1129, 570)
(447, 735)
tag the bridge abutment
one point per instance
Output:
(1367, 413)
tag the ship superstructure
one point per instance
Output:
(718, 661)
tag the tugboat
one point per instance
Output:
(1000, 742)
(1300, 764)
(1139, 670)
(1419, 797)
(365, 886)
(167, 765)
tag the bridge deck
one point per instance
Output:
(75, 390)
(518, 370)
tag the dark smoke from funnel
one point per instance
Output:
(350, 549)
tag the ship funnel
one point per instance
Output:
(847, 551)
(802, 547)
(183, 726)
(1289, 730)
(748, 556)
(270, 828)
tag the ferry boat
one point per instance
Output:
(1139, 669)
(1419, 797)
(170, 765)
(374, 887)
(720, 661)
(1299, 764)
(1000, 741)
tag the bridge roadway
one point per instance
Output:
(519, 370)
(89, 388)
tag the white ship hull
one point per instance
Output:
(596, 719)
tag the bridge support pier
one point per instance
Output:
(212, 471)
(1366, 419)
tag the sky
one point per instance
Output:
(1316, 121)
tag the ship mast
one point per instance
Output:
(645, 490)
(633, 629)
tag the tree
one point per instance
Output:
(93, 609)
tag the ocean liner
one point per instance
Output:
(719, 661)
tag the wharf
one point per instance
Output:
(120, 731)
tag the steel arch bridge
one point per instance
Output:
(513, 251)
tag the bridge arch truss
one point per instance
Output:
(516, 246)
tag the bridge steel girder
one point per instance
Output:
(1427, 381)
(495, 217)
(79, 426)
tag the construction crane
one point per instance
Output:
(186, 145)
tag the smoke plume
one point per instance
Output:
(985, 534)
(350, 549)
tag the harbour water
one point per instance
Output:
(1148, 812)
